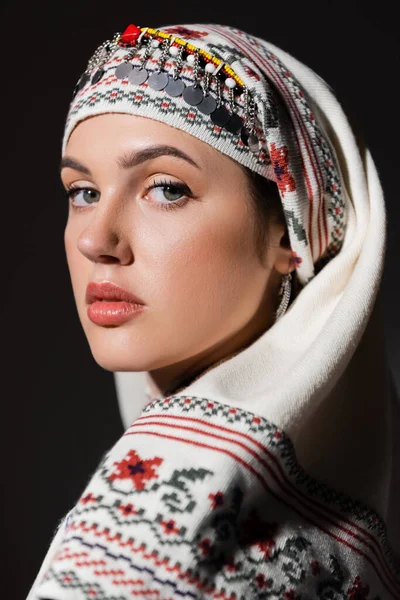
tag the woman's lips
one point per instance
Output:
(107, 290)
(110, 304)
(112, 313)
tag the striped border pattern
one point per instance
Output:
(191, 477)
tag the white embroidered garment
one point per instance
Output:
(273, 474)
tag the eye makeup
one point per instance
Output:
(167, 187)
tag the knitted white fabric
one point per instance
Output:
(273, 474)
(294, 148)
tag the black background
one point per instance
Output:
(61, 410)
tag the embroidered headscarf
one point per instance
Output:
(272, 474)
(231, 90)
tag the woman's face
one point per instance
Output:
(167, 218)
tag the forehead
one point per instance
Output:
(114, 133)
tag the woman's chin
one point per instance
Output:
(120, 356)
(137, 356)
(121, 363)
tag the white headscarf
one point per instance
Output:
(313, 392)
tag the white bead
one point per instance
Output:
(191, 59)
(210, 68)
(174, 51)
(230, 83)
(155, 43)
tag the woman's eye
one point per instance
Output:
(172, 192)
(83, 196)
(168, 193)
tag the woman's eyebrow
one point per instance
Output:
(71, 163)
(140, 156)
(133, 159)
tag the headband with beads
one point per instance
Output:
(212, 76)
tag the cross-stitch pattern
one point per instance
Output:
(239, 519)
(293, 147)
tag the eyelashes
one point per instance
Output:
(165, 194)
(90, 194)
(172, 188)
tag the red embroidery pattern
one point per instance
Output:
(216, 499)
(279, 157)
(357, 590)
(253, 527)
(127, 509)
(185, 32)
(251, 73)
(169, 526)
(139, 471)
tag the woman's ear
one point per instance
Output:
(284, 261)
(285, 240)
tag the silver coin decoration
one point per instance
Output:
(158, 81)
(138, 75)
(83, 81)
(80, 84)
(123, 70)
(220, 116)
(193, 95)
(235, 124)
(207, 105)
(253, 143)
(175, 87)
(244, 136)
(206, 91)
(97, 76)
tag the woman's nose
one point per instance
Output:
(103, 239)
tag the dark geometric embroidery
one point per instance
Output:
(297, 227)
(320, 143)
(194, 532)
(277, 441)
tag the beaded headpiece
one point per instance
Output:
(229, 89)
(215, 82)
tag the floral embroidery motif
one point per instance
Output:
(137, 470)
(127, 509)
(169, 526)
(144, 528)
(88, 498)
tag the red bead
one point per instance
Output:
(131, 34)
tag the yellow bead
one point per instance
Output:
(212, 59)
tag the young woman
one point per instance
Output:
(226, 241)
